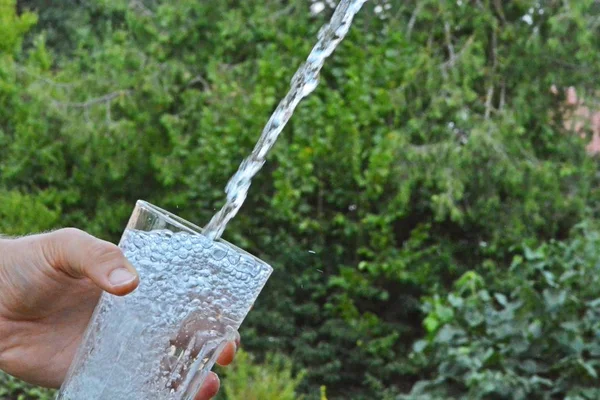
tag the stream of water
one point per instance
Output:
(303, 83)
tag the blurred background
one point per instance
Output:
(431, 211)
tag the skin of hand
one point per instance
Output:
(49, 286)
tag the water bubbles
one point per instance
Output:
(138, 242)
(205, 242)
(178, 285)
(203, 273)
(234, 258)
(218, 252)
(241, 276)
(183, 254)
(195, 303)
(248, 267)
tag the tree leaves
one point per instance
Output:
(430, 157)
(534, 342)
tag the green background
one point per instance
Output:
(432, 223)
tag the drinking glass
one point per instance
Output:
(161, 341)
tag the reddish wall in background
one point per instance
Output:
(579, 118)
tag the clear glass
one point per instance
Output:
(161, 341)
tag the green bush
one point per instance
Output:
(13, 389)
(431, 148)
(532, 336)
(21, 214)
(271, 380)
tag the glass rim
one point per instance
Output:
(192, 228)
(171, 218)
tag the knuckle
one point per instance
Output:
(105, 252)
(68, 244)
(68, 233)
(53, 245)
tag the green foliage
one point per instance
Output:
(13, 26)
(431, 152)
(21, 214)
(534, 336)
(13, 389)
(271, 380)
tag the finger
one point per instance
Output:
(227, 355)
(79, 255)
(210, 387)
(238, 340)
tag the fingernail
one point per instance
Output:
(120, 276)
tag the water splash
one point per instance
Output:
(304, 82)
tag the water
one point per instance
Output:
(303, 83)
(193, 296)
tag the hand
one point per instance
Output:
(49, 286)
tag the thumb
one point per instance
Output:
(79, 254)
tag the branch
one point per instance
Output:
(433, 148)
(282, 12)
(108, 114)
(102, 99)
(490, 92)
(488, 101)
(449, 39)
(145, 11)
(452, 60)
(199, 79)
(25, 71)
(564, 64)
(502, 95)
(498, 7)
(413, 19)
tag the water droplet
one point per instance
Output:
(218, 251)
(234, 258)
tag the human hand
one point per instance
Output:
(49, 286)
